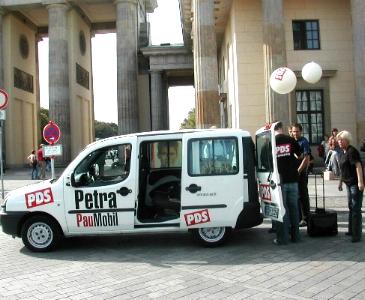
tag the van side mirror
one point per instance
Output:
(73, 182)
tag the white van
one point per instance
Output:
(203, 181)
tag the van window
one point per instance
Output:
(104, 166)
(165, 154)
(263, 152)
(218, 156)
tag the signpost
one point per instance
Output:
(4, 98)
(52, 134)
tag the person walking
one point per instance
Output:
(353, 176)
(303, 172)
(287, 152)
(32, 158)
(41, 162)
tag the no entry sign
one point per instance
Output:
(51, 133)
(3, 99)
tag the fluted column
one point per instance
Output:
(1, 49)
(277, 106)
(127, 43)
(165, 97)
(157, 101)
(205, 64)
(59, 90)
(358, 32)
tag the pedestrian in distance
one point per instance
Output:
(353, 176)
(32, 158)
(41, 162)
(287, 152)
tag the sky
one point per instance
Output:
(104, 60)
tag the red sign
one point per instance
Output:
(38, 198)
(265, 192)
(197, 217)
(3, 99)
(51, 133)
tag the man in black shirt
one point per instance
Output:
(352, 175)
(286, 149)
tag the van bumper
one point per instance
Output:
(250, 216)
(10, 222)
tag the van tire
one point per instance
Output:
(40, 234)
(211, 236)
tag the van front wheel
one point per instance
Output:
(212, 236)
(40, 234)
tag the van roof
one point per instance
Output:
(171, 132)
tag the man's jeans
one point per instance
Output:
(354, 197)
(291, 218)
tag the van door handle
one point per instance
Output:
(193, 188)
(124, 191)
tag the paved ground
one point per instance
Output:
(171, 266)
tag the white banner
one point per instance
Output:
(54, 150)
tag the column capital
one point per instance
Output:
(55, 3)
(134, 2)
(155, 71)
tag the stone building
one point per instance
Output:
(243, 41)
(230, 49)
(69, 25)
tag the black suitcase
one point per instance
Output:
(322, 221)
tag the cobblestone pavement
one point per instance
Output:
(171, 266)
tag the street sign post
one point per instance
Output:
(4, 99)
(52, 134)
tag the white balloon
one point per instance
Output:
(283, 80)
(312, 72)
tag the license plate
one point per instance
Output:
(271, 211)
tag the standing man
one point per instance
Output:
(353, 176)
(303, 172)
(41, 162)
(287, 149)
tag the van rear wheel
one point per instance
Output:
(212, 236)
(40, 234)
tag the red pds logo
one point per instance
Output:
(197, 217)
(38, 198)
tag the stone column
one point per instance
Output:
(127, 43)
(358, 33)
(157, 101)
(205, 64)
(59, 90)
(165, 97)
(1, 50)
(277, 106)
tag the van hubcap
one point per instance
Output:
(40, 235)
(212, 234)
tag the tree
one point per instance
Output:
(44, 117)
(189, 122)
(104, 130)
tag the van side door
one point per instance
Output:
(212, 179)
(267, 174)
(100, 191)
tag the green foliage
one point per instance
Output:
(43, 117)
(189, 122)
(104, 130)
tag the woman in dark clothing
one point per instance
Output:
(352, 175)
